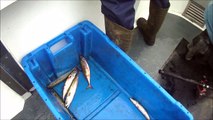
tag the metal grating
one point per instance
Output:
(195, 13)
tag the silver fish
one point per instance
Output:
(61, 102)
(86, 70)
(59, 80)
(69, 81)
(71, 92)
(140, 108)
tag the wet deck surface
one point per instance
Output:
(185, 92)
(151, 59)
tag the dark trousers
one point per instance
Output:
(122, 12)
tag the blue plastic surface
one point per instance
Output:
(115, 78)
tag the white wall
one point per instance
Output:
(25, 25)
(178, 6)
(10, 102)
(5, 3)
(143, 10)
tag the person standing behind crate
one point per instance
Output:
(203, 43)
(119, 18)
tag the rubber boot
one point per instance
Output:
(118, 34)
(199, 45)
(150, 27)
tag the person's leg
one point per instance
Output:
(199, 45)
(203, 42)
(208, 16)
(121, 12)
(157, 12)
(162, 3)
(119, 20)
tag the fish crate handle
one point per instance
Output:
(60, 42)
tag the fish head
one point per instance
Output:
(73, 72)
(69, 76)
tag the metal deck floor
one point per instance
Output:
(149, 58)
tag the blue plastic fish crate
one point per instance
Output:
(115, 78)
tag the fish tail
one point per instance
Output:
(79, 69)
(89, 87)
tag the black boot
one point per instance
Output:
(199, 45)
(150, 27)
